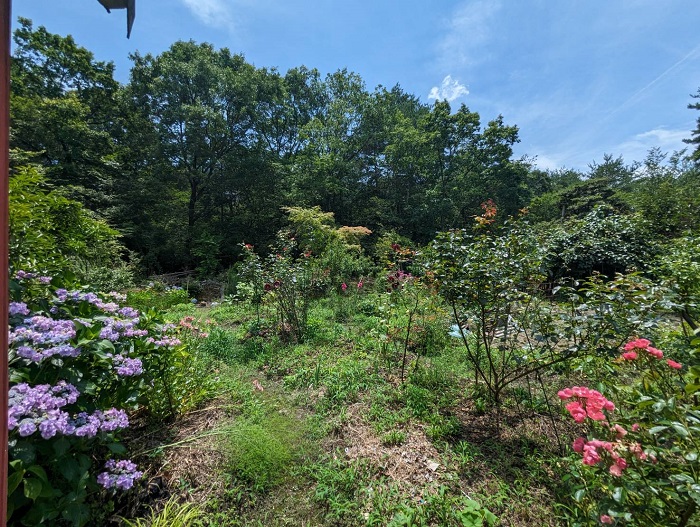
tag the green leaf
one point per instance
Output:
(680, 429)
(77, 514)
(694, 493)
(14, 480)
(117, 448)
(618, 494)
(39, 472)
(690, 389)
(32, 488)
(61, 446)
(682, 478)
(656, 429)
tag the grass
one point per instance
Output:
(325, 434)
(173, 514)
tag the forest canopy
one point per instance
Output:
(200, 151)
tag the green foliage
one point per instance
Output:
(50, 232)
(509, 330)
(223, 345)
(695, 139)
(602, 243)
(679, 264)
(290, 285)
(441, 509)
(336, 251)
(260, 452)
(173, 514)
(157, 296)
(63, 107)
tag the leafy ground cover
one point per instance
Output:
(325, 433)
(457, 386)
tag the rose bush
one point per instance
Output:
(638, 464)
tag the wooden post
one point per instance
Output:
(5, 10)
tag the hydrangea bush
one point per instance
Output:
(638, 464)
(78, 363)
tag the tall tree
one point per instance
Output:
(198, 102)
(695, 139)
(63, 106)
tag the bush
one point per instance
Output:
(78, 364)
(607, 244)
(49, 232)
(260, 453)
(157, 296)
(638, 463)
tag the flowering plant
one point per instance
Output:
(638, 463)
(77, 363)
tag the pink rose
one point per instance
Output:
(673, 364)
(620, 432)
(655, 353)
(566, 393)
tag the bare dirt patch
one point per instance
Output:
(413, 464)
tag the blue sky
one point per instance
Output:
(580, 78)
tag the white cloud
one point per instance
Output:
(545, 162)
(638, 146)
(467, 33)
(214, 13)
(450, 89)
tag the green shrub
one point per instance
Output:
(51, 233)
(598, 242)
(260, 451)
(157, 296)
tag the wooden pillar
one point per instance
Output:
(5, 10)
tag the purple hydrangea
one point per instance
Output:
(87, 425)
(129, 312)
(119, 475)
(56, 422)
(23, 275)
(115, 328)
(164, 341)
(42, 337)
(38, 407)
(109, 333)
(113, 419)
(135, 332)
(126, 366)
(18, 308)
(119, 297)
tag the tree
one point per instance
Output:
(695, 139)
(63, 106)
(197, 103)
